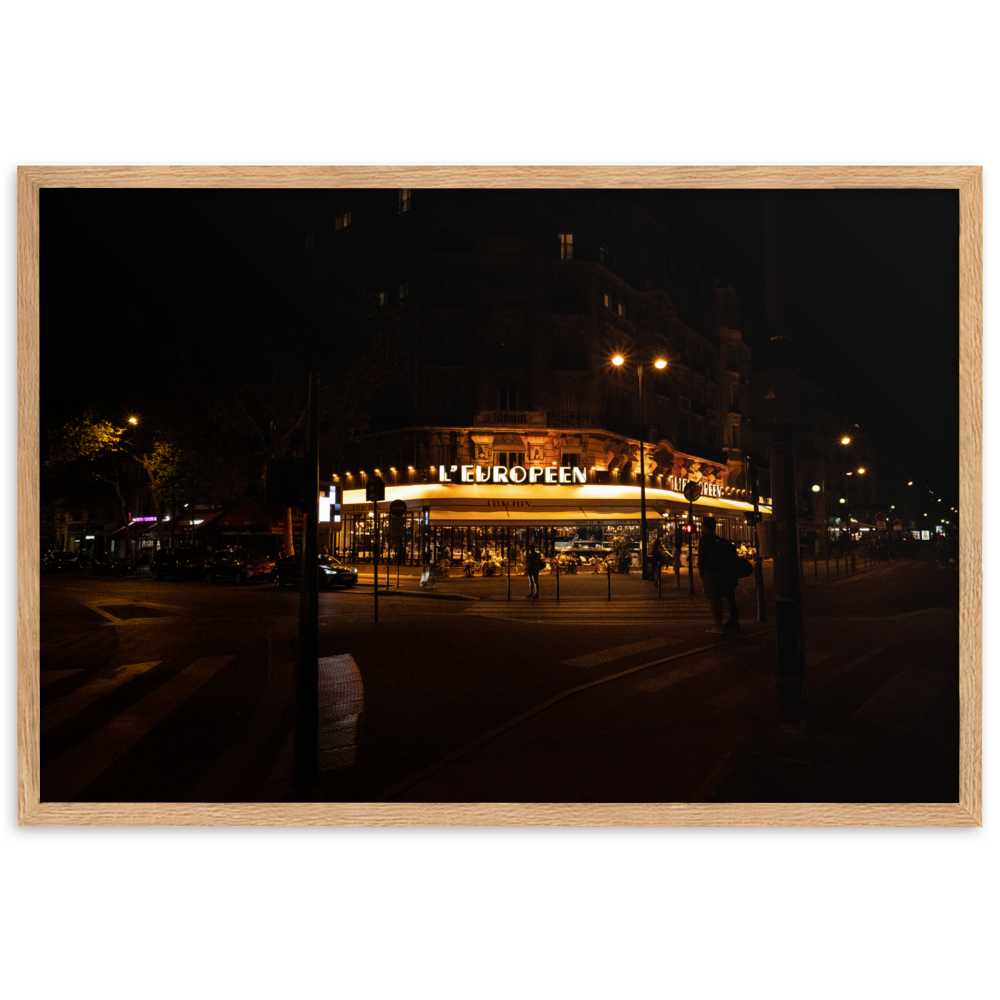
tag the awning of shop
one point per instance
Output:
(577, 515)
(247, 515)
(143, 529)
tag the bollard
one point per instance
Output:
(609, 581)
(557, 581)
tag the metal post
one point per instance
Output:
(375, 559)
(557, 581)
(758, 563)
(642, 487)
(609, 581)
(677, 553)
(691, 549)
(305, 748)
(790, 666)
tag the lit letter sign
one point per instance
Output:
(516, 475)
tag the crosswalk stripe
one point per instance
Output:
(70, 773)
(51, 676)
(617, 652)
(82, 697)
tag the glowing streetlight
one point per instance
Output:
(845, 440)
(659, 363)
(133, 420)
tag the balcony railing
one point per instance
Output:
(532, 418)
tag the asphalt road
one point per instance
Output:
(183, 692)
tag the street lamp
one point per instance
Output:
(659, 364)
(844, 441)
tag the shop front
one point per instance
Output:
(460, 518)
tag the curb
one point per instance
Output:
(427, 594)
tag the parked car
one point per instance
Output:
(236, 565)
(109, 565)
(61, 562)
(332, 572)
(177, 564)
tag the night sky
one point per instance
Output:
(141, 288)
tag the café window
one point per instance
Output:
(342, 220)
(565, 246)
(404, 200)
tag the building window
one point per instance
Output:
(508, 459)
(565, 246)
(404, 200)
(736, 435)
(381, 298)
(511, 397)
(621, 309)
(342, 221)
(571, 459)
(607, 301)
(404, 289)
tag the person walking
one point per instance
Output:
(532, 566)
(716, 566)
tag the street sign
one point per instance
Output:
(375, 488)
(692, 491)
(397, 508)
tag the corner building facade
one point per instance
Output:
(511, 305)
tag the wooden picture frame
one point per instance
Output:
(967, 812)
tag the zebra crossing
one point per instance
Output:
(78, 765)
(594, 612)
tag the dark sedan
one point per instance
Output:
(237, 565)
(178, 564)
(332, 572)
(61, 562)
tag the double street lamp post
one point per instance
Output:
(659, 363)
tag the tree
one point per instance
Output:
(107, 451)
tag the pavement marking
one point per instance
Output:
(71, 772)
(99, 607)
(675, 677)
(902, 702)
(950, 612)
(51, 676)
(846, 667)
(617, 652)
(744, 692)
(221, 780)
(103, 683)
(723, 769)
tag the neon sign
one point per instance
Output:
(564, 475)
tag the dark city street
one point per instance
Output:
(619, 404)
